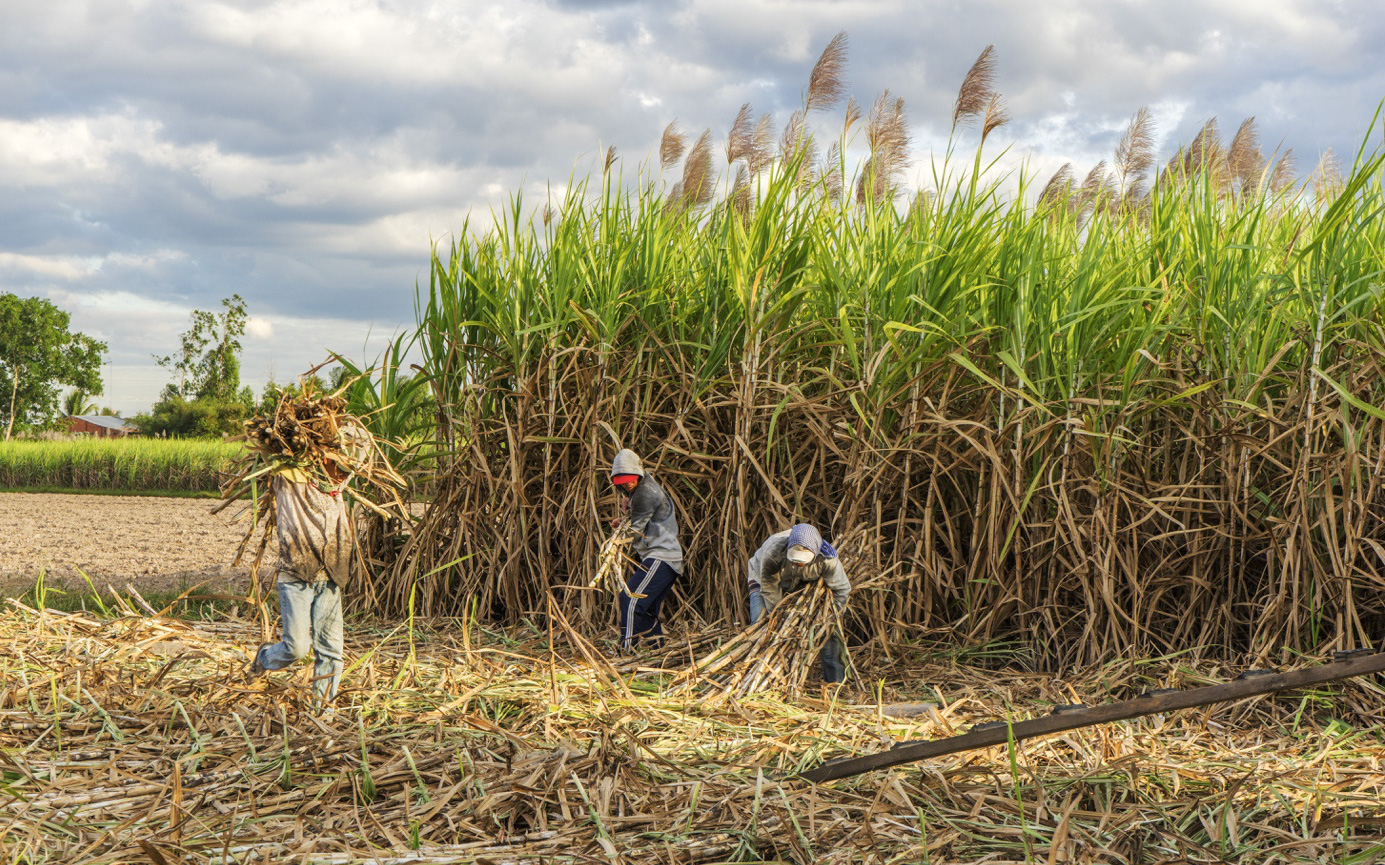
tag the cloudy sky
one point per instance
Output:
(159, 155)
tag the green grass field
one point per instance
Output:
(126, 466)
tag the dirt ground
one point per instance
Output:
(157, 544)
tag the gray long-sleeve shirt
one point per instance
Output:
(652, 517)
(771, 570)
(655, 525)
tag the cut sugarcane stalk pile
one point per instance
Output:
(296, 439)
(611, 561)
(675, 653)
(778, 652)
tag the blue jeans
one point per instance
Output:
(833, 665)
(311, 617)
(639, 617)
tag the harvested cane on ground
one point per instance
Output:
(118, 728)
(777, 652)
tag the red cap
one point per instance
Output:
(623, 479)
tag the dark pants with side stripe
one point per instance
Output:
(639, 617)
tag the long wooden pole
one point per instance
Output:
(998, 733)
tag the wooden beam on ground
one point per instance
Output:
(1249, 684)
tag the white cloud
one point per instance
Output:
(70, 268)
(65, 268)
(259, 328)
(54, 151)
(147, 262)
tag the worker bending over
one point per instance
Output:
(785, 563)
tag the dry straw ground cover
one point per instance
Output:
(133, 738)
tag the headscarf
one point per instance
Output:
(804, 535)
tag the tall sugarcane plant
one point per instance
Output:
(1137, 410)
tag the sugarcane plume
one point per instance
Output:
(1135, 150)
(671, 145)
(761, 150)
(977, 88)
(825, 84)
(1244, 160)
(697, 172)
(741, 139)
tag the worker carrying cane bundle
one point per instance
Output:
(786, 562)
(318, 553)
(654, 529)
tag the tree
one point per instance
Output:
(207, 397)
(38, 355)
(78, 402)
(176, 417)
(208, 361)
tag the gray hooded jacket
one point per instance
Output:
(776, 577)
(651, 515)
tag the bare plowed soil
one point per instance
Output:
(156, 544)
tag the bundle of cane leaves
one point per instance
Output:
(303, 434)
(611, 560)
(777, 652)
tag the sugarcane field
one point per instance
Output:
(731, 505)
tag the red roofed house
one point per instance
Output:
(100, 426)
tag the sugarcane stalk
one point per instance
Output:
(611, 559)
(775, 652)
